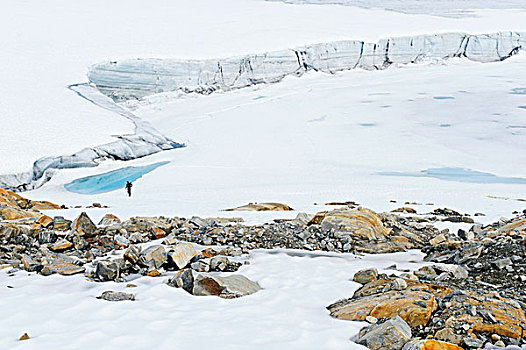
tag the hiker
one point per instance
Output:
(128, 188)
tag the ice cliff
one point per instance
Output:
(145, 141)
(137, 78)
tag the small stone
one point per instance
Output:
(473, 342)
(500, 344)
(398, 284)
(200, 266)
(495, 337)
(116, 296)
(371, 319)
(502, 263)
(365, 276)
(24, 336)
(219, 263)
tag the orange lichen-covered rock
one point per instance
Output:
(363, 224)
(45, 221)
(13, 200)
(16, 214)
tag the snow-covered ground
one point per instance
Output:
(322, 138)
(289, 313)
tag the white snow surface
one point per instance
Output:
(288, 313)
(47, 46)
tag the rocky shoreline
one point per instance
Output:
(469, 295)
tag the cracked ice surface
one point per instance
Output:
(137, 78)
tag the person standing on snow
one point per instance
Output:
(128, 188)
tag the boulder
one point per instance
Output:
(116, 296)
(61, 245)
(360, 224)
(132, 254)
(183, 279)
(365, 276)
(430, 344)
(45, 221)
(153, 256)
(262, 207)
(393, 334)
(16, 214)
(182, 254)
(62, 268)
(377, 300)
(228, 287)
(107, 270)
(83, 225)
(109, 219)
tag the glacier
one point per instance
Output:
(130, 79)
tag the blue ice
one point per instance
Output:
(461, 175)
(110, 181)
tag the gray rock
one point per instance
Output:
(200, 266)
(183, 279)
(153, 257)
(390, 335)
(473, 342)
(228, 287)
(107, 270)
(219, 263)
(182, 254)
(365, 276)
(456, 271)
(132, 254)
(501, 263)
(116, 296)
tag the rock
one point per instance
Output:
(200, 266)
(437, 240)
(262, 207)
(430, 344)
(45, 221)
(406, 210)
(61, 224)
(197, 221)
(502, 263)
(158, 233)
(80, 243)
(228, 287)
(30, 265)
(83, 225)
(17, 214)
(365, 276)
(473, 342)
(375, 299)
(109, 219)
(398, 284)
(183, 279)
(61, 245)
(456, 271)
(153, 256)
(371, 319)
(393, 334)
(116, 296)
(467, 236)
(426, 272)
(132, 254)
(62, 268)
(362, 224)
(182, 254)
(24, 336)
(219, 263)
(107, 270)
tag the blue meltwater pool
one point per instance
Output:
(110, 181)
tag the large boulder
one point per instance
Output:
(153, 257)
(83, 225)
(262, 207)
(361, 224)
(109, 219)
(182, 254)
(228, 287)
(393, 334)
(365, 276)
(430, 344)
